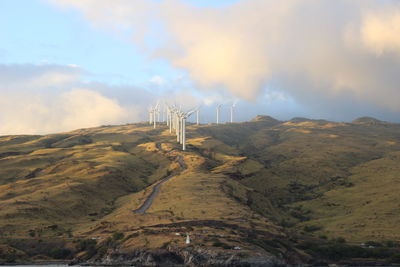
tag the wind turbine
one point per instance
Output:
(197, 110)
(154, 111)
(183, 116)
(232, 107)
(218, 108)
(176, 118)
(169, 115)
(171, 119)
(178, 125)
(162, 114)
(150, 115)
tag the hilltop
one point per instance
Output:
(263, 191)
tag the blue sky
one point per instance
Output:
(270, 56)
(41, 33)
(35, 32)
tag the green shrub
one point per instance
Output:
(69, 232)
(379, 253)
(311, 228)
(288, 224)
(339, 240)
(395, 258)
(339, 251)
(373, 244)
(86, 245)
(336, 251)
(221, 245)
(165, 245)
(117, 236)
(59, 253)
(391, 244)
(10, 258)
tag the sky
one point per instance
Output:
(68, 64)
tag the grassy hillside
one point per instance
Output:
(339, 177)
(265, 186)
(50, 184)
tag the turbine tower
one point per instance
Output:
(184, 116)
(162, 114)
(150, 115)
(218, 108)
(176, 119)
(154, 112)
(232, 107)
(197, 116)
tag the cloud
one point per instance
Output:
(316, 51)
(20, 76)
(85, 108)
(38, 99)
(157, 80)
(380, 31)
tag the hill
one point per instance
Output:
(275, 191)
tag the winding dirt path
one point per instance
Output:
(156, 189)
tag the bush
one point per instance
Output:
(379, 253)
(391, 244)
(165, 245)
(339, 251)
(311, 228)
(59, 253)
(86, 245)
(10, 258)
(395, 258)
(221, 245)
(117, 236)
(69, 232)
(335, 251)
(373, 244)
(339, 240)
(285, 223)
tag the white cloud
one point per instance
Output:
(380, 31)
(86, 108)
(157, 80)
(316, 51)
(38, 99)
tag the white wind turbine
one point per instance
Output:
(158, 114)
(154, 112)
(163, 114)
(174, 124)
(178, 125)
(197, 110)
(218, 108)
(168, 112)
(150, 115)
(183, 116)
(176, 119)
(232, 108)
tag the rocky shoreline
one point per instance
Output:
(182, 257)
